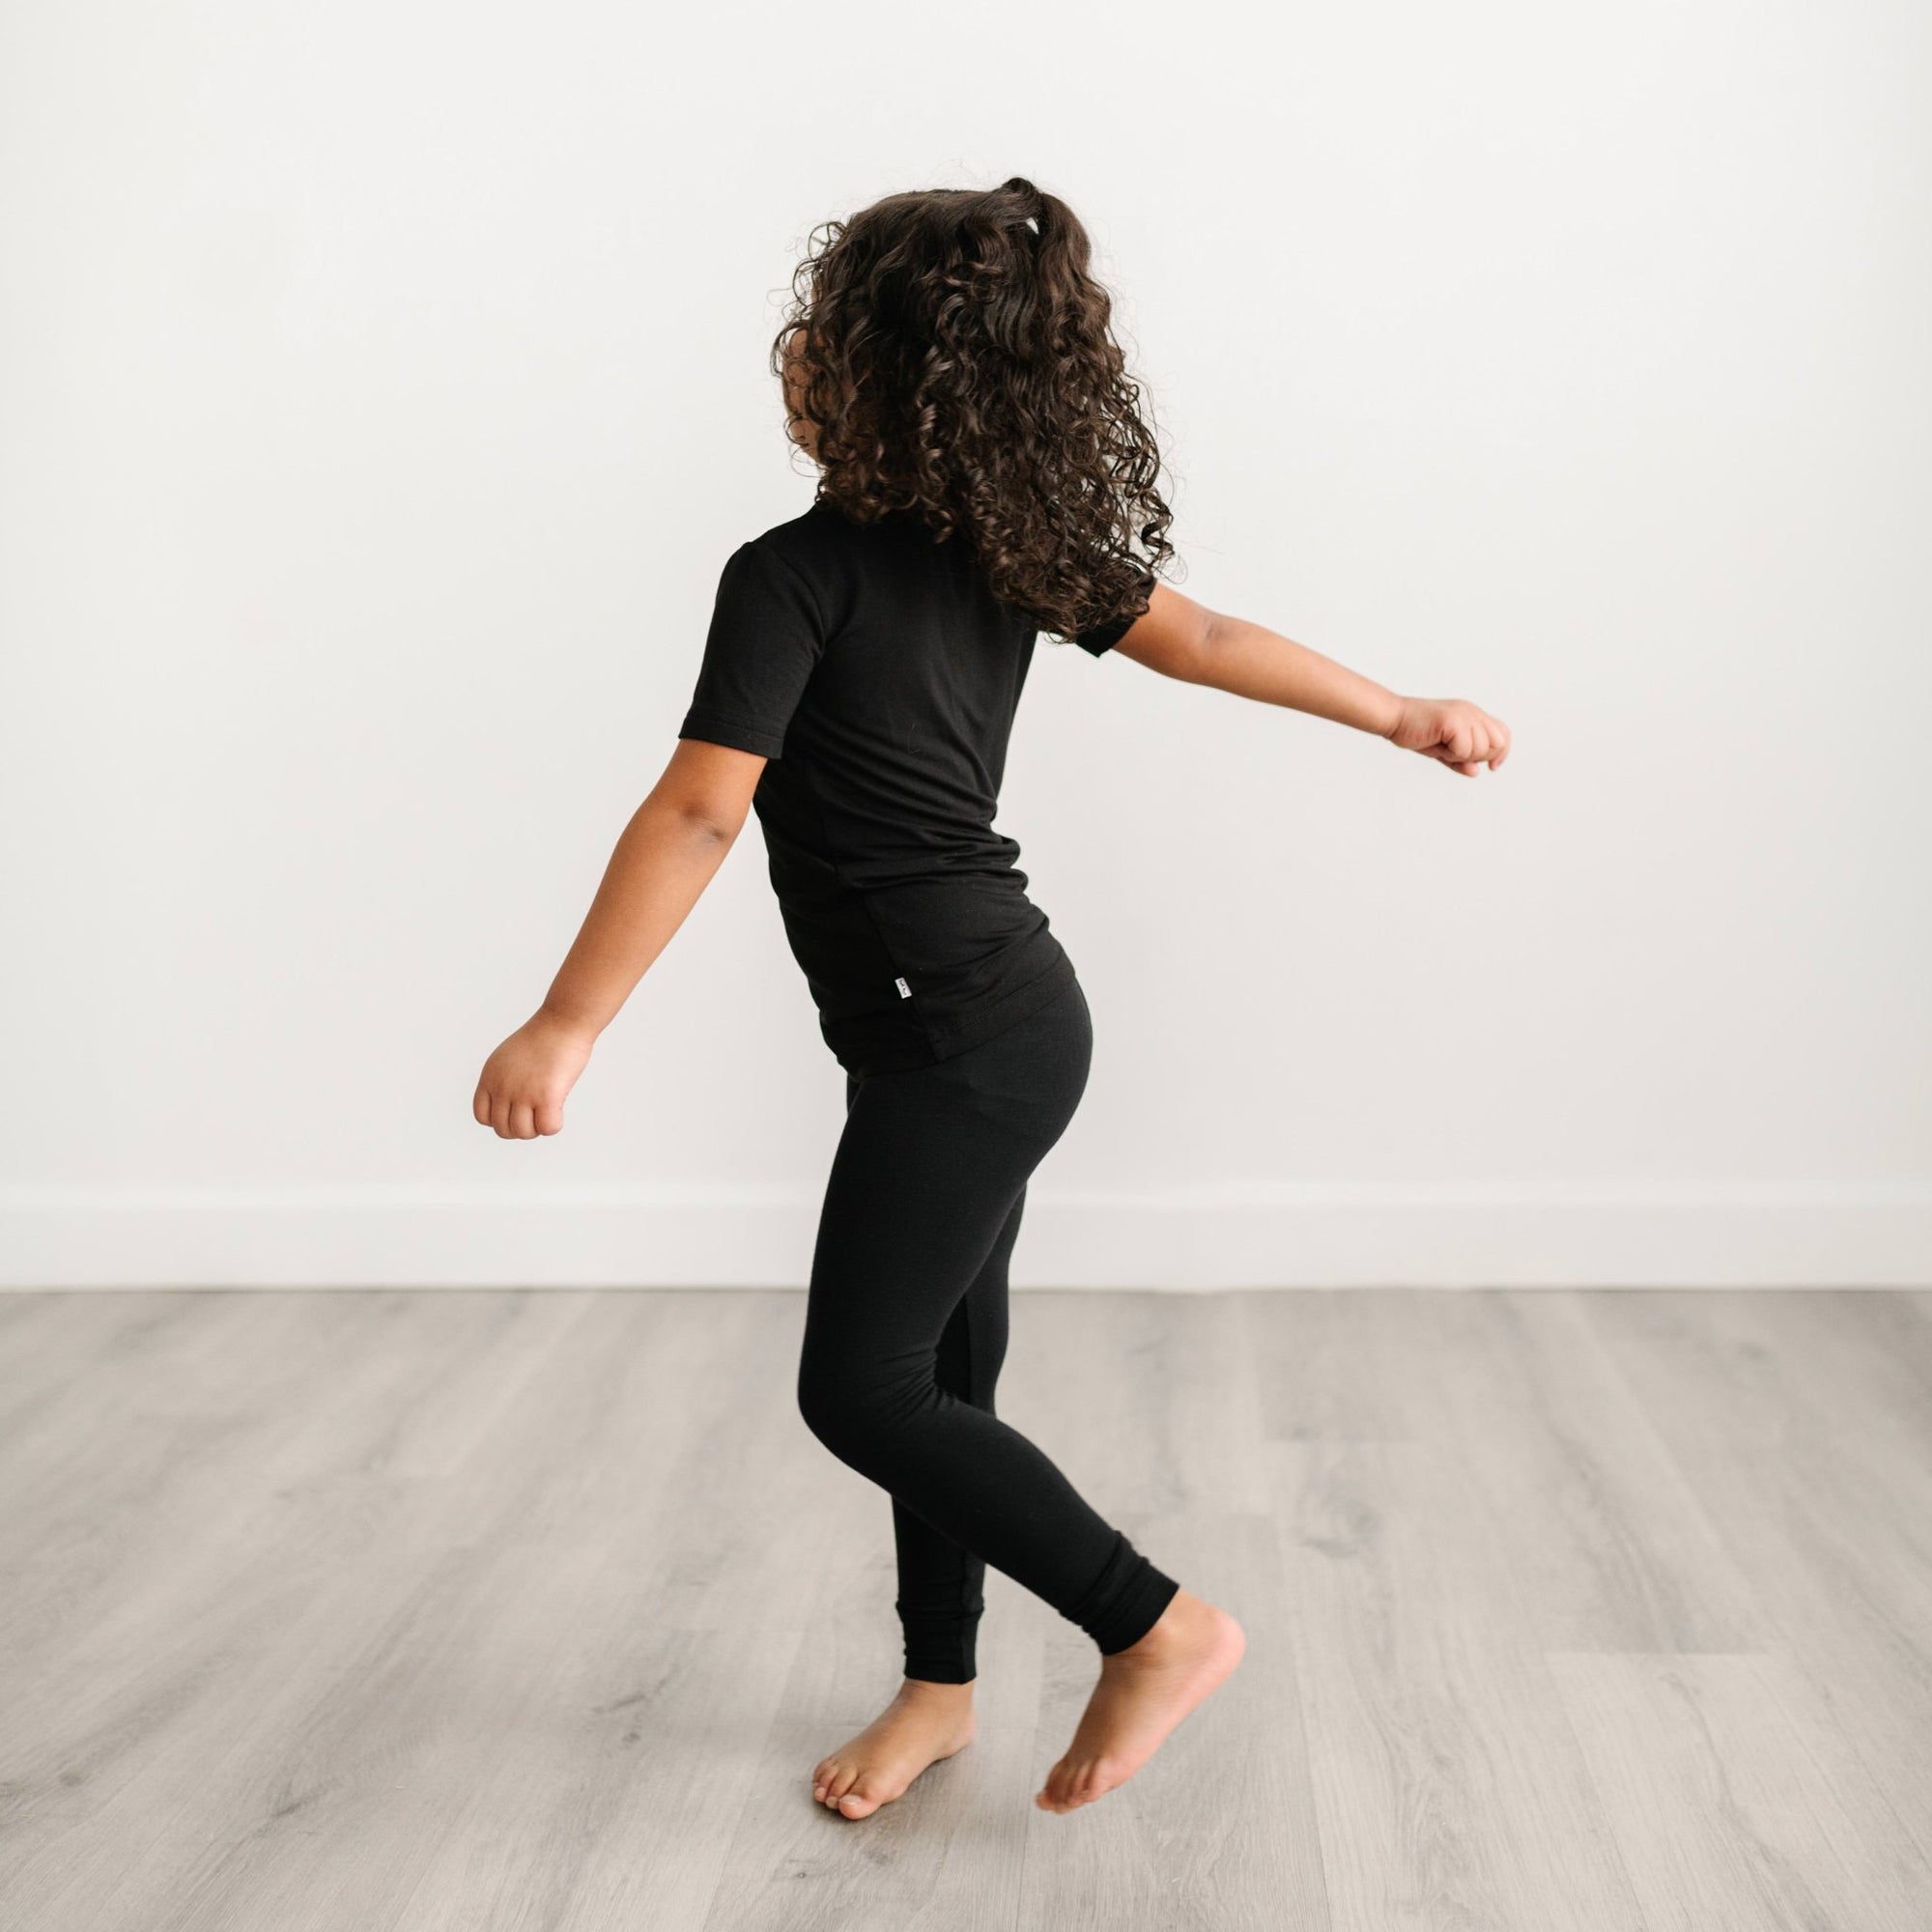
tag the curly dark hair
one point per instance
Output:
(954, 357)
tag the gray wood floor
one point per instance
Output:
(365, 1611)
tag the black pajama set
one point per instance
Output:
(878, 675)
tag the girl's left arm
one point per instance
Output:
(1184, 640)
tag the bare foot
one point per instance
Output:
(1144, 1691)
(923, 1723)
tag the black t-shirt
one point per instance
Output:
(879, 675)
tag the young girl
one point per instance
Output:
(985, 474)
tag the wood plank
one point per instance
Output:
(1738, 1805)
(1449, 1790)
(1800, 1420)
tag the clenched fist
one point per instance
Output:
(525, 1082)
(1453, 732)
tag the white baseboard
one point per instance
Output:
(1328, 1234)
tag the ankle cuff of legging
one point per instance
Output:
(942, 1654)
(941, 1670)
(1126, 1601)
(942, 1651)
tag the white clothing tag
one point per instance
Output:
(906, 991)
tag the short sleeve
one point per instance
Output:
(765, 638)
(1104, 637)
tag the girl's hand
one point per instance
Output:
(524, 1082)
(1453, 732)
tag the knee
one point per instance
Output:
(850, 1413)
(825, 1402)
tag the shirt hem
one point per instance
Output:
(1021, 1004)
(972, 1028)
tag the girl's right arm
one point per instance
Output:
(1181, 638)
(666, 857)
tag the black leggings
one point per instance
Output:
(906, 1327)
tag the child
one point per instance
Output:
(985, 474)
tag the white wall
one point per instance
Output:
(384, 388)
